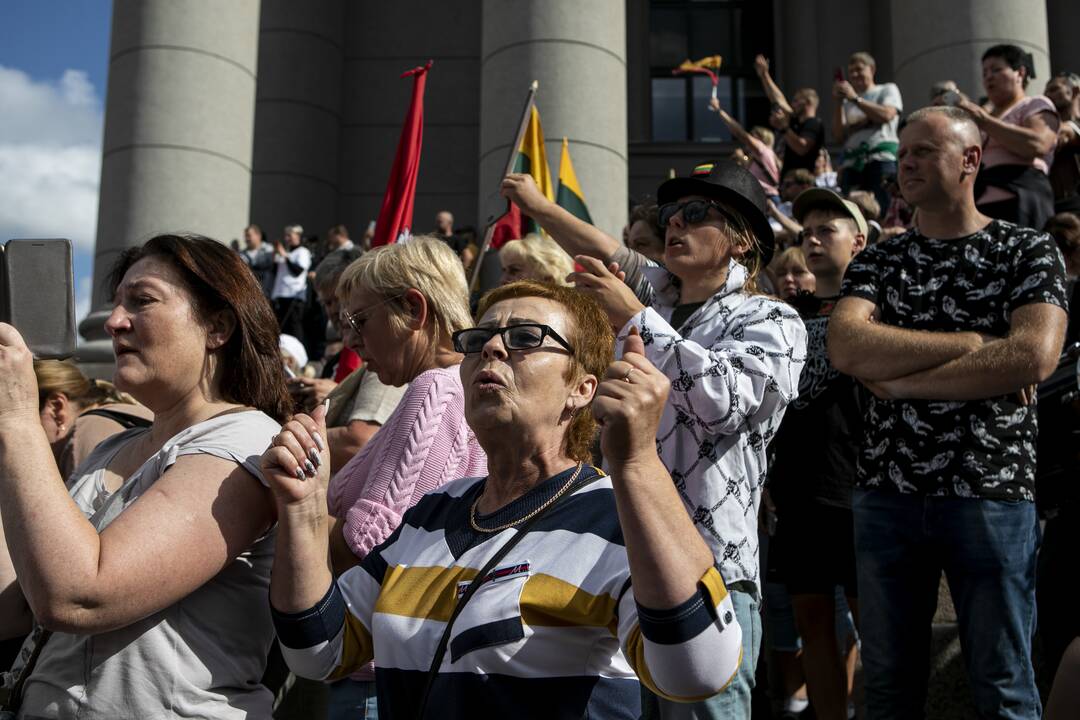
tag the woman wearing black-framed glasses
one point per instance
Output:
(546, 579)
(733, 357)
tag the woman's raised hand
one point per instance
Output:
(605, 283)
(629, 403)
(18, 384)
(297, 463)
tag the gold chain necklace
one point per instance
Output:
(537, 511)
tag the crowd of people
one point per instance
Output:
(754, 432)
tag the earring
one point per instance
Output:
(60, 427)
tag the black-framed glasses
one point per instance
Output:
(357, 319)
(524, 336)
(693, 211)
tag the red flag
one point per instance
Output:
(395, 216)
(508, 227)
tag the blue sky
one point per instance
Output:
(53, 70)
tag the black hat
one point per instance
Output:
(733, 185)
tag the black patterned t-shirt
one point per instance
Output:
(980, 448)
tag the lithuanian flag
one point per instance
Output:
(569, 196)
(532, 159)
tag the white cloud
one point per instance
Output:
(50, 161)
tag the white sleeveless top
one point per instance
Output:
(202, 657)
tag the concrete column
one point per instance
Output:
(376, 99)
(298, 116)
(934, 40)
(577, 51)
(1062, 20)
(179, 114)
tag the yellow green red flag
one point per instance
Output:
(532, 158)
(569, 195)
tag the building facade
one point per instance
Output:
(276, 112)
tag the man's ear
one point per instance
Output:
(972, 159)
(220, 328)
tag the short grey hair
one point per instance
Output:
(298, 229)
(329, 271)
(424, 263)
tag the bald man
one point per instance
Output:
(950, 326)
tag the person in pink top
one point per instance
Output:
(1019, 135)
(758, 144)
(400, 305)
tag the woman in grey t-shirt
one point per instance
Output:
(151, 574)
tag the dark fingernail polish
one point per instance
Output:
(309, 467)
(314, 455)
(300, 474)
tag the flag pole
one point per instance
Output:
(530, 98)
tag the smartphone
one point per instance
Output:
(38, 295)
(951, 98)
(838, 74)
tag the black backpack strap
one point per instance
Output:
(127, 421)
(444, 641)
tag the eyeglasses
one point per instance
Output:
(693, 211)
(525, 336)
(356, 319)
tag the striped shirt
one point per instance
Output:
(554, 632)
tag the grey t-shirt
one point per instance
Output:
(873, 136)
(201, 657)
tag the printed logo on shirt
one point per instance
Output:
(502, 574)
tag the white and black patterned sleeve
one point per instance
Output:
(1039, 275)
(749, 371)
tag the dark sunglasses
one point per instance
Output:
(693, 211)
(514, 337)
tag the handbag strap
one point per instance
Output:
(14, 696)
(444, 641)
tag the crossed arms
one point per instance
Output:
(896, 363)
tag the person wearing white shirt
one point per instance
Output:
(733, 356)
(290, 281)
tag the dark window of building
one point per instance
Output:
(737, 30)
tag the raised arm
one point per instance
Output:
(1025, 357)
(677, 593)
(772, 90)
(573, 235)
(1036, 138)
(862, 347)
(736, 128)
(321, 635)
(78, 581)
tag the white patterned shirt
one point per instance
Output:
(734, 367)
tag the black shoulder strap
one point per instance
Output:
(440, 650)
(127, 421)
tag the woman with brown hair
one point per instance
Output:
(78, 412)
(148, 579)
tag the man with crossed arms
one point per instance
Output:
(950, 326)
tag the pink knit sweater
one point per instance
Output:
(424, 444)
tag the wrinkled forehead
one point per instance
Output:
(528, 309)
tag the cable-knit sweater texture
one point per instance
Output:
(424, 444)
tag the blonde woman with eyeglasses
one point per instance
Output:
(400, 305)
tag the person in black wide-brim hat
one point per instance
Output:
(732, 354)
